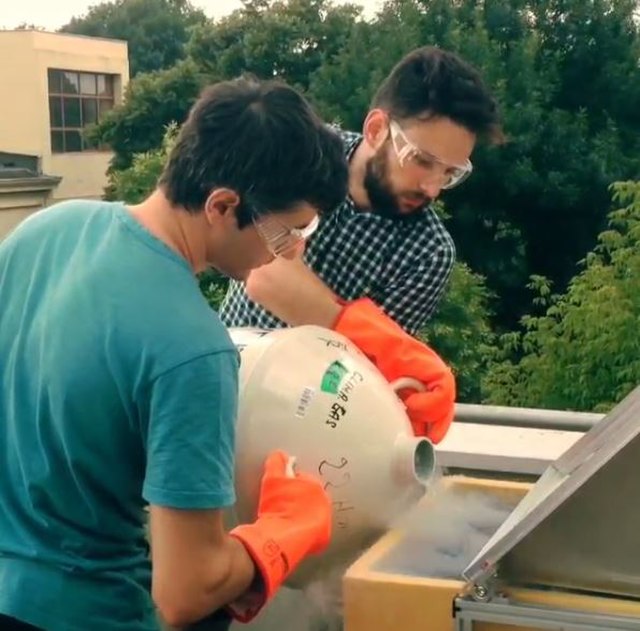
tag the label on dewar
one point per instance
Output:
(332, 377)
(304, 402)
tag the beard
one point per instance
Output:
(383, 200)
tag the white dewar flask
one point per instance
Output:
(312, 393)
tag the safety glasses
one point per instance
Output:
(280, 238)
(447, 175)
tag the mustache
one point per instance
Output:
(417, 197)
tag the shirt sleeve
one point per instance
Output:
(413, 298)
(191, 434)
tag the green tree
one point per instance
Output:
(29, 26)
(135, 183)
(156, 30)
(351, 67)
(537, 205)
(512, 218)
(583, 352)
(461, 331)
(565, 73)
(272, 38)
(152, 101)
(344, 85)
(287, 40)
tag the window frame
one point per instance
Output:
(66, 87)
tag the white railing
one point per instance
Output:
(526, 417)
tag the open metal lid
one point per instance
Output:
(579, 526)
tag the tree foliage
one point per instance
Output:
(152, 101)
(133, 184)
(567, 78)
(156, 30)
(566, 75)
(461, 331)
(271, 38)
(289, 40)
(583, 353)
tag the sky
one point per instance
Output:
(52, 14)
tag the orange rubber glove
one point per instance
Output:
(294, 520)
(397, 354)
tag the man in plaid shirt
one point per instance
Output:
(383, 255)
(402, 265)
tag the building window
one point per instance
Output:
(76, 101)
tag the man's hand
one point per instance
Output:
(397, 354)
(293, 293)
(294, 520)
(289, 290)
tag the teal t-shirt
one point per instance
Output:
(118, 388)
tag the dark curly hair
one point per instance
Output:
(261, 139)
(430, 81)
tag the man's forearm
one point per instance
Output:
(243, 578)
(226, 578)
(293, 293)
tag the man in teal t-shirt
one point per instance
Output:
(103, 333)
(118, 383)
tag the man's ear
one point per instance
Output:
(221, 205)
(376, 128)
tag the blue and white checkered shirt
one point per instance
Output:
(402, 266)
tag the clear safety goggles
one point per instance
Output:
(447, 175)
(280, 238)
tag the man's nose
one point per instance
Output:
(431, 188)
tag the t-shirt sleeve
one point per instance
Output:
(191, 434)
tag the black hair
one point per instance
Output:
(431, 82)
(261, 139)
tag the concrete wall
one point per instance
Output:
(10, 217)
(24, 107)
(20, 198)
